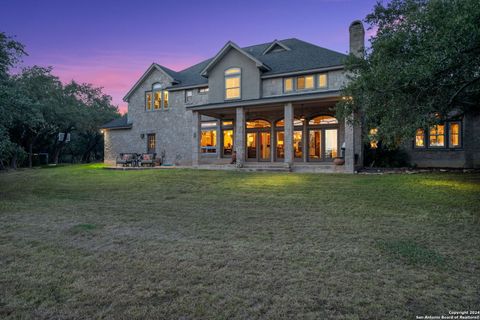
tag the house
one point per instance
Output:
(271, 104)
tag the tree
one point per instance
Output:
(423, 67)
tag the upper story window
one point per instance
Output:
(203, 90)
(148, 100)
(189, 96)
(305, 82)
(288, 84)
(322, 80)
(233, 79)
(158, 96)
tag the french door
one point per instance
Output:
(322, 144)
(258, 146)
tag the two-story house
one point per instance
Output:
(271, 104)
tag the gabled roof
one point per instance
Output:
(119, 123)
(230, 45)
(154, 66)
(275, 44)
(302, 57)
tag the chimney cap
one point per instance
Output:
(355, 23)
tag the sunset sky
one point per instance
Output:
(111, 43)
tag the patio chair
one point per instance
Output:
(125, 159)
(148, 159)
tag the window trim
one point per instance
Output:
(293, 85)
(446, 134)
(445, 128)
(213, 127)
(151, 101)
(318, 80)
(232, 75)
(460, 135)
(191, 97)
(305, 76)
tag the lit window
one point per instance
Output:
(437, 136)
(323, 120)
(297, 144)
(288, 84)
(188, 96)
(296, 122)
(227, 123)
(258, 124)
(454, 135)
(165, 99)
(203, 90)
(305, 82)
(208, 141)
(420, 138)
(227, 142)
(148, 101)
(373, 140)
(322, 80)
(232, 83)
(157, 101)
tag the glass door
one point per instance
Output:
(331, 143)
(252, 145)
(264, 146)
(315, 144)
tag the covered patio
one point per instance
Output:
(293, 135)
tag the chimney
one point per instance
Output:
(357, 38)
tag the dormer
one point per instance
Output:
(276, 46)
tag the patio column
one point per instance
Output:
(288, 132)
(349, 146)
(240, 136)
(195, 137)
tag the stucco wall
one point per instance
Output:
(250, 85)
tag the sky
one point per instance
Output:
(110, 44)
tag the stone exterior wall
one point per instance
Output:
(172, 127)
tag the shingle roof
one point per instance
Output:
(119, 123)
(303, 56)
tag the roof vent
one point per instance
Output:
(276, 46)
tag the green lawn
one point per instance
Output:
(84, 242)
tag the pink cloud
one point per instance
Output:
(116, 73)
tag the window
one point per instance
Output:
(373, 138)
(227, 138)
(158, 96)
(420, 138)
(454, 135)
(157, 101)
(148, 101)
(203, 90)
(437, 136)
(258, 124)
(288, 84)
(233, 78)
(151, 142)
(322, 80)
(323, 120)
(305, 82)
(165, 99)
(188, 96)
(208, 141)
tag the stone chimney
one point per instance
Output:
(357, 38)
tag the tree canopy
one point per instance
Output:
(422, 67)
(35, 106)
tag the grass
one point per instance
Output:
(84, 242)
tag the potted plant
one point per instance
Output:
(339, 161)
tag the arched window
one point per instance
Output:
(323, 120)
(258, 123)
(296, 122)
(233, 81)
